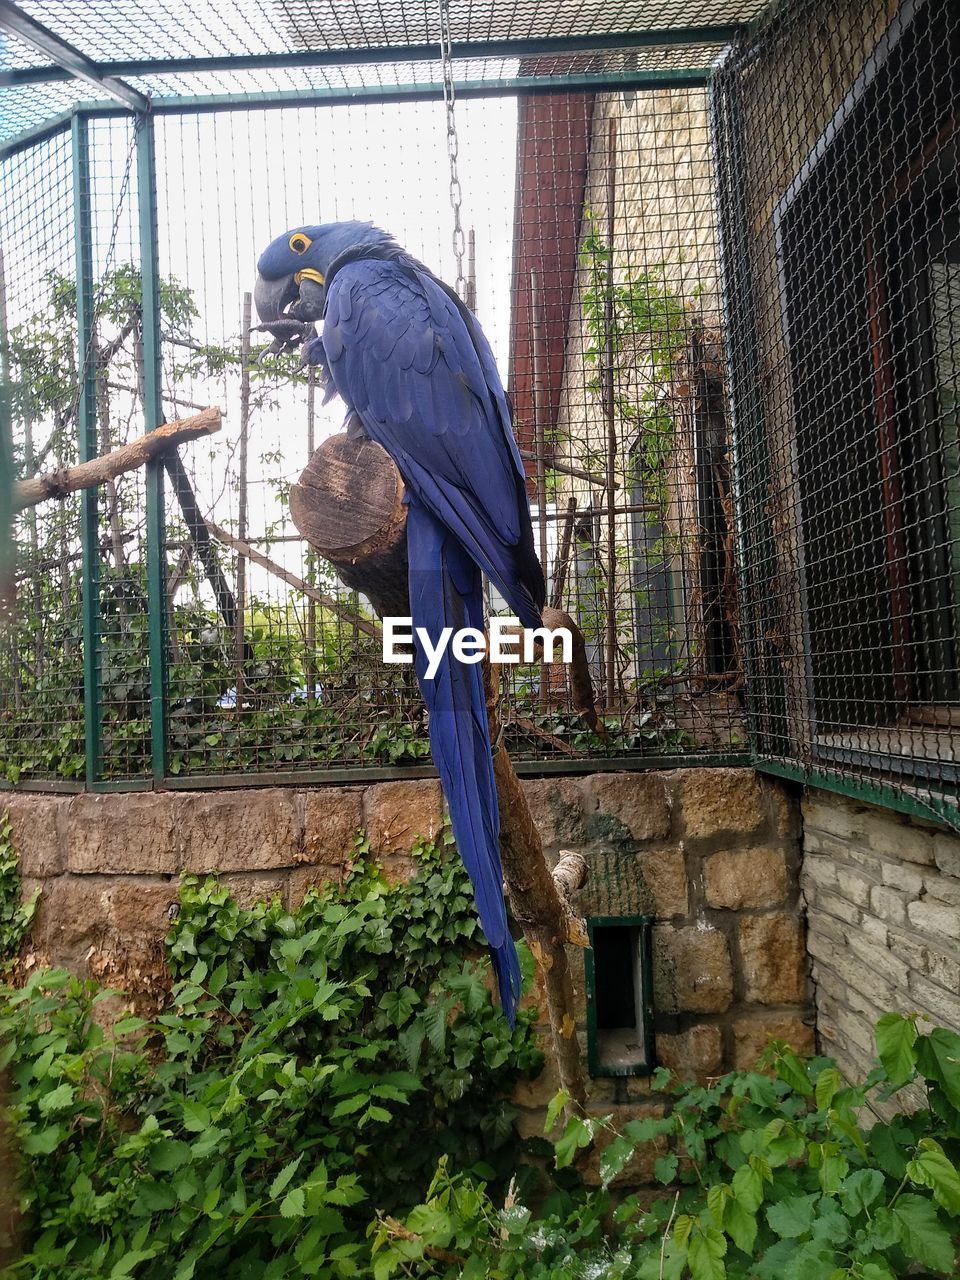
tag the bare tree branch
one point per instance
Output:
(59, 484)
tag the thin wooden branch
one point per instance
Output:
(59, 484)
(537, 904)
(534, 731)
(167, 398)
(239, 634)
(368, 628)
(109, 349)
(200, 538)
(562, 562)
(566, 469)
(581, 684)
(397, 1231)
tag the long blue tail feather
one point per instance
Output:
(446, 590)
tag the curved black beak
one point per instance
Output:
(271, 297)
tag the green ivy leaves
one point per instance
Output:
(313, 1069)
(257, 1121)
(896, 1047)
(771, 1179)
(15, 916)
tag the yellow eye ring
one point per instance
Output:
(299, 243)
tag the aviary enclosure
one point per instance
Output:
(675, 294)
(173, 624)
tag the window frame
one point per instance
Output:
(596, 1067)
(888, 749)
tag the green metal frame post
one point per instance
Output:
(88, 448)
(153, 409)
(766, 695)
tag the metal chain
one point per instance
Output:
(453, 146)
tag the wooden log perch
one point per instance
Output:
(67, 480)
(538, 905)
(348, 504)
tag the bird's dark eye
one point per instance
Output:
(300, 243)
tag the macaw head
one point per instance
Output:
(290, 292)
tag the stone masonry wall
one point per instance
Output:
(882, 894)
(711, 854)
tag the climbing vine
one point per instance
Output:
(309, 1067)
(643, 319)
(16, 916)
(642, 315)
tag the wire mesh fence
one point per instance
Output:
(596, 279)
(113, 32)
(838, 168)
(42, 726)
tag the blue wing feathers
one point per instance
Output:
(419, 373)
(429, 338)
(446, 591)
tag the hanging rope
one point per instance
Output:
(453, 146)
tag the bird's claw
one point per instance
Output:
(288, 335)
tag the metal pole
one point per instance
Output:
(540, 446)
(153, 413)
(88, 448)
(239, 636)
(670, 78)
(470, 296)
(609, 409)
(765, 690)
(310, 663)
(509, 48)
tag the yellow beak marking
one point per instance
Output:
(308, 273)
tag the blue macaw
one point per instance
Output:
(411, 362)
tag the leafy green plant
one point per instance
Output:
(771, 1177)
(226, 714)
(16, 916)
(645, 315)
(309, 1065)
(643, 319)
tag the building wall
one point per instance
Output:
(661, 225)
(882, 895)
(663, 215)
(882, 890)
(711, 854)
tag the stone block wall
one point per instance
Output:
(882, 894)
(711, 854)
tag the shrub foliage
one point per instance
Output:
(325, 1095)
(771, 1176)
(310, 1067)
